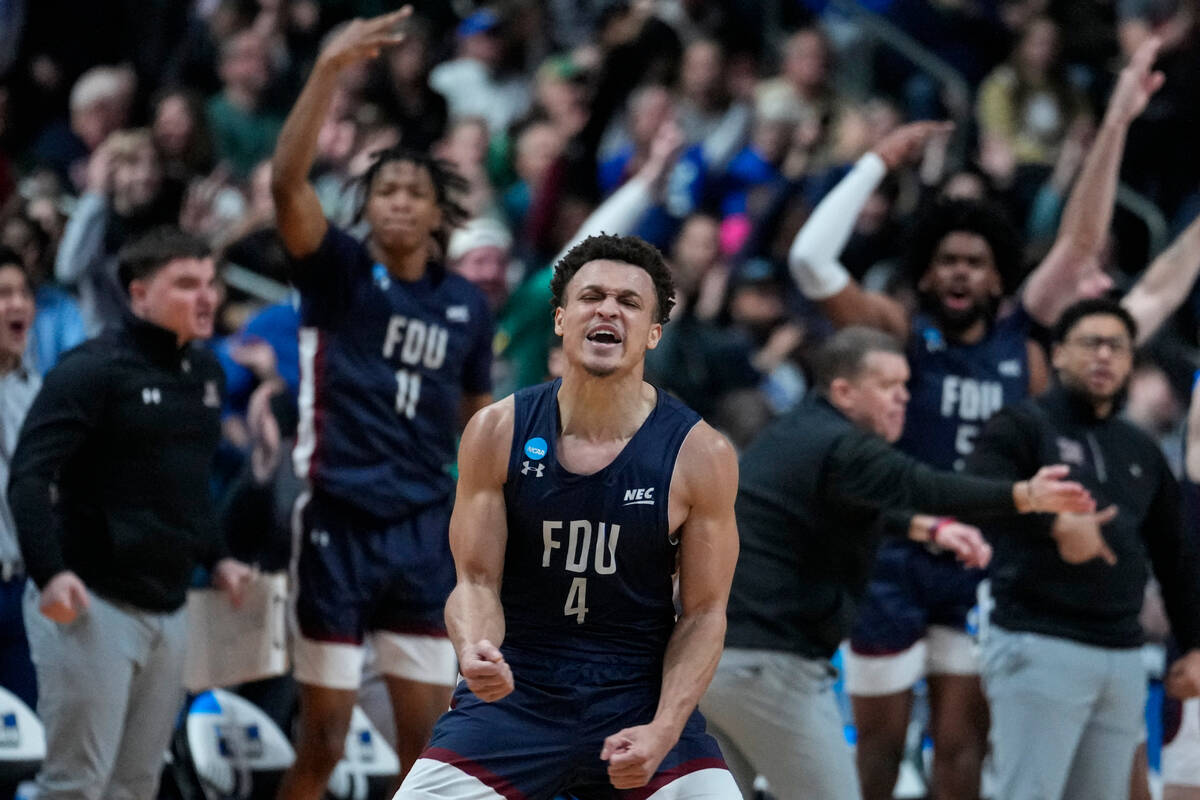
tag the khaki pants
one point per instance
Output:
(110, 690)
(775, 714)
(1066, 716)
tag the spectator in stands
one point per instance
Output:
(649, 108)
(1026, 110)
(803, 81)
(465, 147)
(560, 94)
(399, 85)
(760, 163)
(697, 359)
(18, 386)
(538, 144)
(181, 134)
(99, 106)
(480, 252)
(109, 491)
(706, 112)
(126, 196)
(1027, 105)
(244, 133)
(473, 84)
(57, 323)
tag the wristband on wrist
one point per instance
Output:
(937, 524)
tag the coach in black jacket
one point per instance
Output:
(1062, 665)
(812, 493)
(109, 490)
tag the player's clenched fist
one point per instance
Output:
(486, 672)
(633, 755)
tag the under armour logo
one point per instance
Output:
(151, 396)
(212, 397)
(319, 537)
(536, 469)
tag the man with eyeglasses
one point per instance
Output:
(1062, 664)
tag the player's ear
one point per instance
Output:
(655, 336)
(558, 321)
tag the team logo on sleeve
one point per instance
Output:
(1070, 451)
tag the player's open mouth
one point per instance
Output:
(957, 300)
(604, 335)
(18, 326)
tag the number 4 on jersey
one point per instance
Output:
(577, 600)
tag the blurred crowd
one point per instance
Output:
(118, 116)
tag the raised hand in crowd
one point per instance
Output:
(906, 144)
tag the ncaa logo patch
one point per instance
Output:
(536, 448)
(379, 275)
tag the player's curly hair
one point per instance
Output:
(969, 216)
(626, 249)
(448, 186)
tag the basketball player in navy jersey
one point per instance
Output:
(577, 501)
(395, 351)
(967, 361)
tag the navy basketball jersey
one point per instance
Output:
(588, 566)
(383, 367)
(954, 388)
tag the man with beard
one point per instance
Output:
(813, 488)
(967, 362)
(1062, 645)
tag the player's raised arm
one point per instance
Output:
(1073, 260)
(1165, 284)
(707, 467)
(813, 257)
(302, 224)
(478, 536)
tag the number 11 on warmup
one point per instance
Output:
(408, 392)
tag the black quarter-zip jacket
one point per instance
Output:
(110, 478)
(1093, 603)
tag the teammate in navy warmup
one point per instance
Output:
(577, 501)
(968, 359)
(395, 353)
